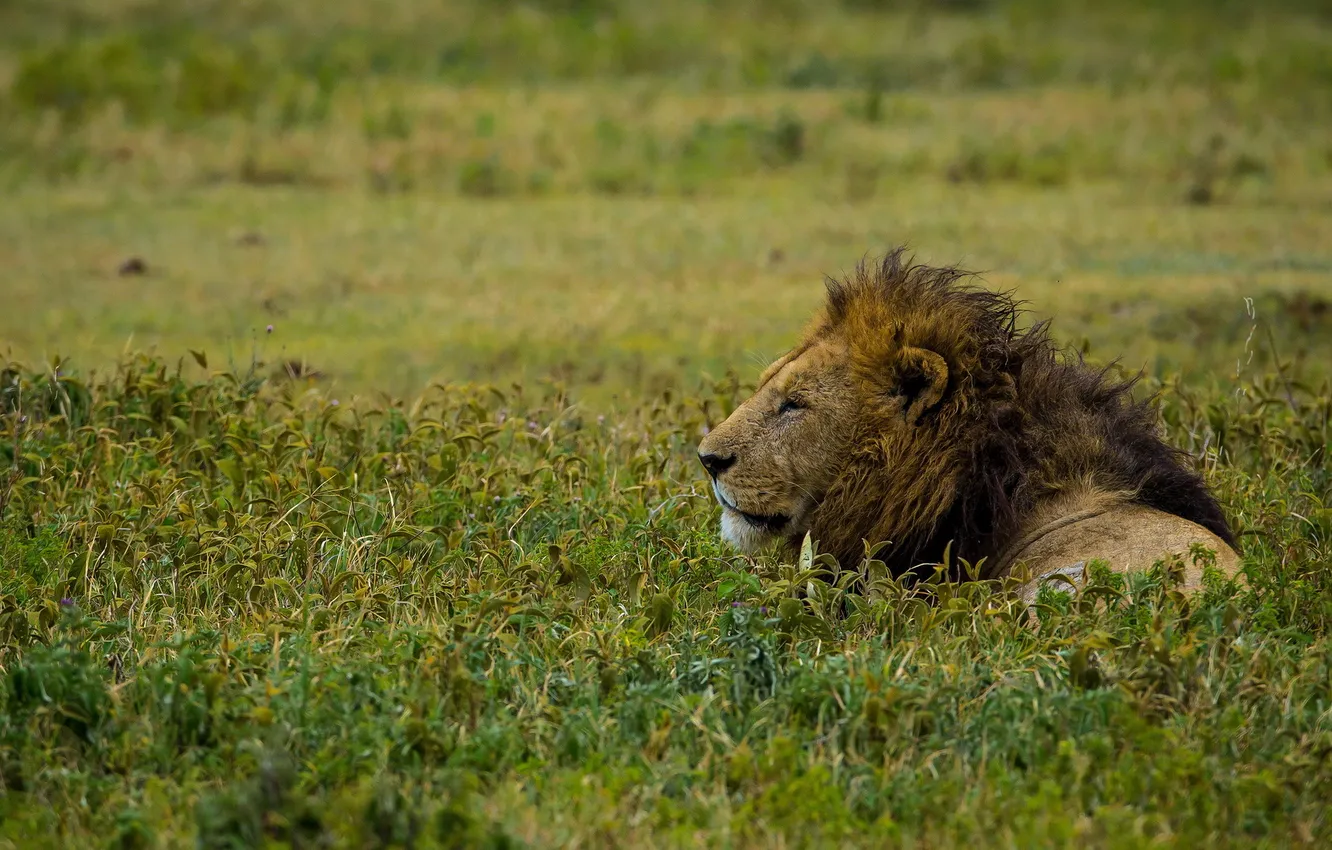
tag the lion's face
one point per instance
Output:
(774, 458)
(841, 439)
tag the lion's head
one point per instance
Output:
(915, 413)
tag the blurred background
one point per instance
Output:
(628, 195)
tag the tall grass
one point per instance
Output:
(235, 611)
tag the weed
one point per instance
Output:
(206, 78)
(741, 145)
(481, 178)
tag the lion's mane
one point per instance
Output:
(1020, 422)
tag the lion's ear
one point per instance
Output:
(921, 378)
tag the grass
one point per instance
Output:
(429, 563)
(628, 295)
(234, 611)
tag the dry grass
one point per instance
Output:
(396, 291)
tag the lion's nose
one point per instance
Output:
(716, 464)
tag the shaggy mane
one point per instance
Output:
(1018, 422)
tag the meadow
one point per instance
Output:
(358, 354)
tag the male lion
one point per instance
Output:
(915, 414)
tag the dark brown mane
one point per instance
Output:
(1020, 421)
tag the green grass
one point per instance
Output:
(462, 587)
(236, 611)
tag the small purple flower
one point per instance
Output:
(270, 329)
(735, 604)
(764, 610)
(67, 602)
(335, 402)
(531, 426)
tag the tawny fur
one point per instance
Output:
(917, 414)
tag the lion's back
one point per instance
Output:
(1129, 538)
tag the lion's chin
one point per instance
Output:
(750, 538)
(742, 534)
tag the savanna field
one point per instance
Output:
(358, 355)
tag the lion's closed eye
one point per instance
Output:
(791, 405)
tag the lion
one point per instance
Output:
(916, 416)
